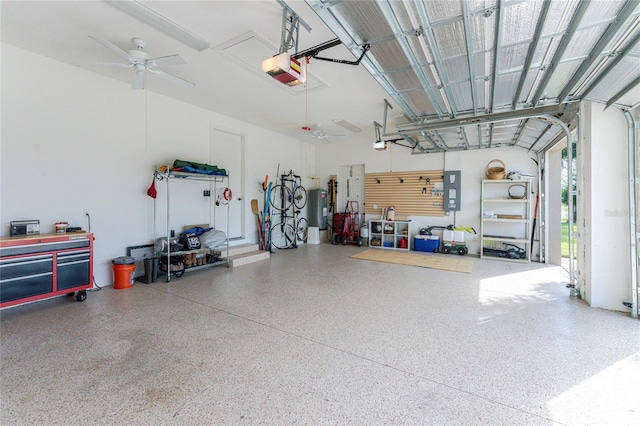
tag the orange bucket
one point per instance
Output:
(124, 269)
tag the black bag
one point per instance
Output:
(177, 264)
(190, 241)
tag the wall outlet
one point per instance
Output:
(206, 193)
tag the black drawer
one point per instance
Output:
(72, 269)
(24, 266)
(27, 286)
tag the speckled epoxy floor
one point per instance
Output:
(314, 337)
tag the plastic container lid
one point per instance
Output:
(123, 260)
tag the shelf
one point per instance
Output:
(507, 239)
(191, 176)
(400, 229)
(169, 175)
(504, 220)
(497, 233)
(505, 200)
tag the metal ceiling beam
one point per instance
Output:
(292, 13)
(463, 134)
(621, 93)
(427, 32)
(546, 129)
(429, 139)
(389, 15)
(466, 22)
(564, 43)
(542, 18)
(489, 118)
(325, 13)
(479, 136)
(519, 131)
(490, 134)
(611, 64)
(440, 139)
(496, 55)
(604, 40)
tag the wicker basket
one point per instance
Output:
(517, 191)
(495, 172)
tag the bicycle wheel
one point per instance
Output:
(301, 229)
(282, 235)
(299, 197)
(280, 198)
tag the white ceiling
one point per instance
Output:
(455, 100)
(61, 29)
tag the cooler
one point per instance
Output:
(428, 243)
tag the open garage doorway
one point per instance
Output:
(561, 184)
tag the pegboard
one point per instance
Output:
(416, 193)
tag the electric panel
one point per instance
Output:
(452, 191)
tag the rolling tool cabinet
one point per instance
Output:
(38, 267)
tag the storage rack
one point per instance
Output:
(511, 222)
(400, 229)
(168, 175)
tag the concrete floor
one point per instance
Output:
(314, 337)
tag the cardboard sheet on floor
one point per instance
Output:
(453, 263)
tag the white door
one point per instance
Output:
(227, 152)
(350, 186)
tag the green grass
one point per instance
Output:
(565, 238)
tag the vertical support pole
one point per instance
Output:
(541, 211)
(633, 236)
(168, 226)
(571, 193)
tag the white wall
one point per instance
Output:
(553, 201)
(75, 142)
(605, 276)
(357, 149)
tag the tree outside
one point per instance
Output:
(565, 200)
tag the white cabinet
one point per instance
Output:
(505, 219)
(390, 234)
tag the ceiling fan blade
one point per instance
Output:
(166, 60)
(103, 64)
(113, 47)
(138, 80)
(172, 78)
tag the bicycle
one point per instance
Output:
(287, 231)
(282, 197)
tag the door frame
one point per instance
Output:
(233, 177)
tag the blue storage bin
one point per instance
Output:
(428, 243)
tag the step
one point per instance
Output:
(250, 257)
(239, 249)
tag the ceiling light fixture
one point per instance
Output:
(160, 23)
(346, 125)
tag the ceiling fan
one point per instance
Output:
(317, 132)
(138, 59)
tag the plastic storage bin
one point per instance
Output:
(428, 243)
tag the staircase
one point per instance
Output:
(243, 254)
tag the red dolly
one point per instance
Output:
(346, 225)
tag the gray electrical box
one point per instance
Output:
(452, 191)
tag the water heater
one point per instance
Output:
(317, 208)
